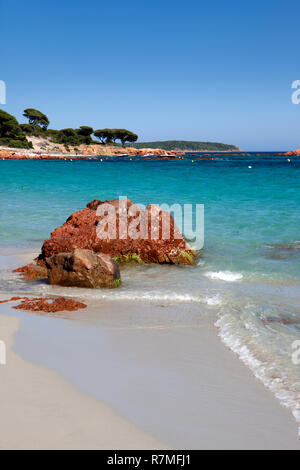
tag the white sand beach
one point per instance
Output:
(41, 410)
(202, 396)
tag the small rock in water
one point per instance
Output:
(83, 268)
(282, 250)
(283, 321)
(287, 246)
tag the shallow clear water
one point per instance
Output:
(248, 273)
(245, 209)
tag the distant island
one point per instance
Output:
(186, 146)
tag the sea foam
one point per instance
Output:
(210, 300)
(225, 276)
(282, 388)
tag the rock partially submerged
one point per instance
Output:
(83, 268)
(285, 246)
(79, 231)
(283, 321)
(278, 251)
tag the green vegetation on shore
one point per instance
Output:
(36, 117)
(13, 134)
(132, 258)
(185, 145)
(108, 136)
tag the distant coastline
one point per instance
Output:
(43, 146)
(36, 138)
(187, 146)
(90, 152)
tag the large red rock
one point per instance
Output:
(83, 268)
(79, 231)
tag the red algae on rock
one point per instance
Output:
(11, 299)
(57, 305)
(32, 272)
(41, 304)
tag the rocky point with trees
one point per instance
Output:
(13, 134)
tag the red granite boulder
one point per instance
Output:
(131, 233)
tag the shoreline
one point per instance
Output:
(207, 155)
(149, 365)
(160, 366)
(155, 376)
(7, 153)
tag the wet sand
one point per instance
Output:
(41, 410)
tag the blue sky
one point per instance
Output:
(195, 70)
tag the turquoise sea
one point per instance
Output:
(248, 274)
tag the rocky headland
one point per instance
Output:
(293, 153)
(58, 152)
